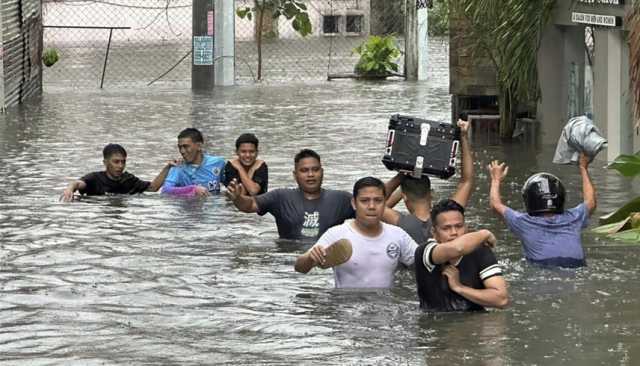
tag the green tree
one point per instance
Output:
(509, 33)
(293, 10)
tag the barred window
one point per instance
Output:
(354, 23)
(330, 23)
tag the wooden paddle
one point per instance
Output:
(337, 253)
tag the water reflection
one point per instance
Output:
(152, 279)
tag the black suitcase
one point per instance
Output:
(421, 147)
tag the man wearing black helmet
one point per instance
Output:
(550, 234)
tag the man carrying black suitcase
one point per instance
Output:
(416, 193)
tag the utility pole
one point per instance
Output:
(225, 42)
(416, 40)
(202, 71)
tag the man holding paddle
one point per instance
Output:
(364, 252)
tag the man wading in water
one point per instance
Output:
(303, 212)
(377, 248)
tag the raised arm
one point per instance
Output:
(588, 190)
(465, 186)
(67, 194)
(494, 294)
(243, 202)
(462, 245)
(249, 185)
(391, 216)
(498, 172)
(158, 181)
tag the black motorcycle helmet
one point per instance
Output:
(543, 193)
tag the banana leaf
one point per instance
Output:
(621, 213)
(629, 236)
(613, 228)
(627, 165)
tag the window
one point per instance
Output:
(330, 24)
(354, 24)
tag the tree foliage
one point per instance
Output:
(292, 10)
(509, 33)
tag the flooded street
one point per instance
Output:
(149, 279)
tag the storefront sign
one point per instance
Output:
(602, 2)
(596, 19)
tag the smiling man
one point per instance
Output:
(114, 179)
(377, 248)
(247, 168)
(301, 213)
(199, 173)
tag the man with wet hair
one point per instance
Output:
(550, 234)
(305, 212)
(199, 173)
(114, 179)
(377, 248)
(247, 168)
(416, 193)
(456, 270)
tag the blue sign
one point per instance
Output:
(203, 50)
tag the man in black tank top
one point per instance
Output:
(416, 194)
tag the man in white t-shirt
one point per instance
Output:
(377, 248)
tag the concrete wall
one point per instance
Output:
(562, 59)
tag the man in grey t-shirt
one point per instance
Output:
(303, 212)
(416, 194)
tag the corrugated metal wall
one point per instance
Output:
(22, 49)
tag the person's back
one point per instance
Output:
(550, 234)
(552, 239)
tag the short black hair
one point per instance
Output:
(368, 182)
(306, 153)
(445, 205)
(111, 149)
(416, 188)
(246, 138)
(192, 133)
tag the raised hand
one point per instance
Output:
(498, 170)
(464, 126)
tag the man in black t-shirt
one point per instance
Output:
(458, 271)
(247, 168)
(114, 180)
(305, 212)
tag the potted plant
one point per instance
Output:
(50, 56)
(378, 56)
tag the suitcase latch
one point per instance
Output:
(417, 169)
(424, 133)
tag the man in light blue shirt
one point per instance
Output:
(550, 234)
(199, 174)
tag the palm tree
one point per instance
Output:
(508, 32)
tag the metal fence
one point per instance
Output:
(147, 38)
